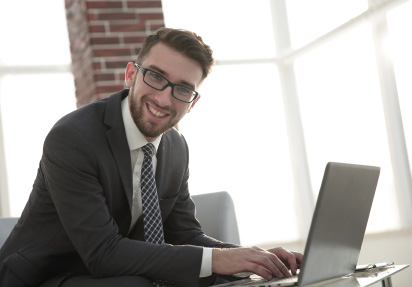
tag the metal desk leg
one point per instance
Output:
(387, 282)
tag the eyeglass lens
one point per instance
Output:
(159, 82)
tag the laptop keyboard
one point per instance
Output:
(273, 282)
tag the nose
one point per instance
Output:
(164, 98)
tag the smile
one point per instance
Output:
(156, 113)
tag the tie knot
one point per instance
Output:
(148, 150)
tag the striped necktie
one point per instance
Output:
(152, 219)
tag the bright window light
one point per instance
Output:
(238, 143)
(34, 35)
(309, 20)
(234, 29)
(28, 113)
(400, 25)
(340, 104)
(343, 116)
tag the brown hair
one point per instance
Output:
(183, 41)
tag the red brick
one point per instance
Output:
(97, 28)
(104, 77)
(134, 40)
(150, 16)
(97, 66)
(154, 26)
(103, 89)
(105, 40)
(132, 27)
(104, 4)
(113, 52)
(144, 4)
(91, 16)
(116, 64)
(99, 72)
(116, 16)
(120, 77)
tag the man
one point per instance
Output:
(89, 222)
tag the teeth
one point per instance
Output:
(157, 113)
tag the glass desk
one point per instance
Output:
(357, 279)
(364, 278)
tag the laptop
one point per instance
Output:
(337, 229)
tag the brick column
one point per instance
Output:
(104, 36)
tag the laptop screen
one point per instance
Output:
(339, 222)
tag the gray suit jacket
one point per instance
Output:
(77, 218)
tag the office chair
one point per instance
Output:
(6, 226)
(215, 211)
(217, 216)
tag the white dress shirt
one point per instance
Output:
(136, 140)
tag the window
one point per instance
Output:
(321, 101)
(36, 89)
(309, 20)
(342, 114)
(238, 143)
(399, 47)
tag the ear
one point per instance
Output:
(130, 72)
(193, 104)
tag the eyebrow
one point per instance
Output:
(165, 74)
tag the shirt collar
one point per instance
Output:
(135, 138)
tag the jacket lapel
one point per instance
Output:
(163, 161)
(116, 136)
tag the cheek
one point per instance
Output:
(183, 109)
(138, 91)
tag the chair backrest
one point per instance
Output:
(6, 226)
(215, 212)
(217, 216)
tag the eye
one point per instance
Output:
(155, 76)
(184, 91)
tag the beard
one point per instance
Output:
(148, 129)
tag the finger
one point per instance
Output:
(298, 260)
(259, 270)
(288, 258)
(292, 263)
(283, 269)
(298, 256)
(273, 264)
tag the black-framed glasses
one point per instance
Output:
(158, 82)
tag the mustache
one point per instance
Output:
(148, 100)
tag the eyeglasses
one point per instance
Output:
(158, 82)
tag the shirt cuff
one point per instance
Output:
(206, 267)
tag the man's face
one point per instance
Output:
(154, 112)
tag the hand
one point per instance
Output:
(291, 259)
(266, 263)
